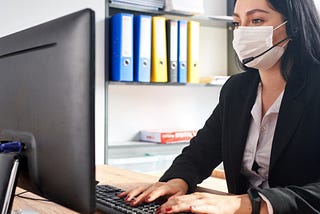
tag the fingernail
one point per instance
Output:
(127, 198)
(168, 209)
(147, 199)
(133, 203)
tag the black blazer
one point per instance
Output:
(294, 173)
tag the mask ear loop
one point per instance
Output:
(279, 26)
(288, 38)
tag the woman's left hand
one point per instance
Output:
(200, 202)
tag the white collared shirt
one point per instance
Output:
(259, 143)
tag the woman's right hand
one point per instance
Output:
(149, 193)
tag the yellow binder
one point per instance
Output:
(159, 50)
(193, 51)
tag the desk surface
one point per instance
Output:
(105, 174)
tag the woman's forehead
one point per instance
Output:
(249, 7)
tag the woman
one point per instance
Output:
(266, 127)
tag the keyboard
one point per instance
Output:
(108, 201)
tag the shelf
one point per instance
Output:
(143, 156)
(205, 20)
(143, 149)
(136, 144)
(215, 18)
(166, 84)
(133, 8)
(148, 104)
(156, 163)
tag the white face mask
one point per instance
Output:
(252, 41)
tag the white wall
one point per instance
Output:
(16, 15)
(317, 2)
(135, 108)
(213, 51)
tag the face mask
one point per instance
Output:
(252, 41)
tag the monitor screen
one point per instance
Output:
(47, 75)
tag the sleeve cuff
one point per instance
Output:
(269, 206)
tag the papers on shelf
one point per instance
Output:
(150, 4)
(185, 6)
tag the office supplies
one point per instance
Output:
(193, 51)
(9, 164)
(167, 136)
(189, 7)
(159, 50)
(172, 48)
(54, 102)
(182, 50)
(121, 42)
(142, 48)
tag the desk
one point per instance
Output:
(105, 174)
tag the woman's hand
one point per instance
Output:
(200, 202)
(149, 193)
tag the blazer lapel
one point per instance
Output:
(248, 96)
(289, 116)
(241, 117)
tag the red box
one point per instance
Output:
(167, 136)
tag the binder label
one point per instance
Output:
(183, 42)
(127, 40)
(195, 42)
(161, 38)
(145, 37)
(173, 41)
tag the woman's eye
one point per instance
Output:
(257, 21)
(235, 24)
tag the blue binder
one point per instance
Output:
(182, 50)
(142, 48)
(121, 47)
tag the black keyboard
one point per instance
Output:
(108, 201)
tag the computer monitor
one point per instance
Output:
(47, 76)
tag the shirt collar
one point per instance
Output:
(256, 110)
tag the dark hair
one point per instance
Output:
(304, 28)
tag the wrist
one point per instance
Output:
(179, 183)
(263, 207)
(243, 204)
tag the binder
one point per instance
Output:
(193, 51)
(182, 50)
(121, 47)
(142, 48)
(159, 50)
(172, 47)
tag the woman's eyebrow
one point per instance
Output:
(250, 12)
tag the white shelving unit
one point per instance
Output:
(131, 107)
